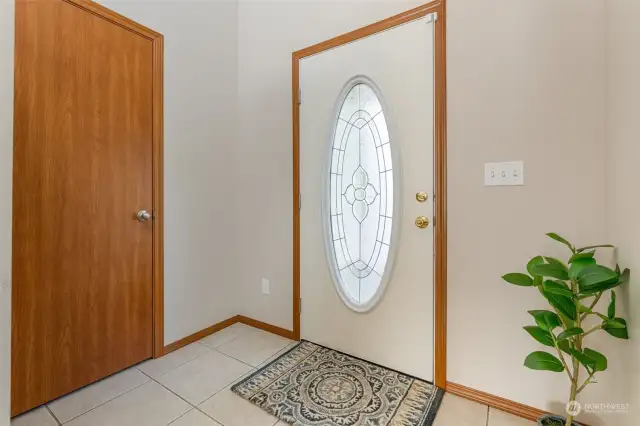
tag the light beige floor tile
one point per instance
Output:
(147, 405)
(197, 380)
(231, 410)
(225, 335)
(456, 411)
(242, 377)
(195, 418)
(500, 418)
(87, 398)
(157, 367)
(254, 348)
(243, 328)
(277, 354)
(36, 417)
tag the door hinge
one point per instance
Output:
(432, 17)
(299, 96)
(299, 201)
(300, 306)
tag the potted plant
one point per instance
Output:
(573, 291)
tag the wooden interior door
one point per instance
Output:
(83, 167)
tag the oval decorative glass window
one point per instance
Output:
(360, 197)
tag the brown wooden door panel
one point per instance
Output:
(82, 266)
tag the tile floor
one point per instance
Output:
(190, 387)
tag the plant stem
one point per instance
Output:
(586, 382)
(593, 304)
(564, 363)
(561, 318)
(597, 327)
(574, 390)
(578, 346)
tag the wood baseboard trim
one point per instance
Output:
(200, 335)
(267, 327)
(502, 404)
(222, 325)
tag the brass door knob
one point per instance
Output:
(422, 222)
(421, 197)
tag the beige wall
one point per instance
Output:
(6, 157)
(623, 138)
(268, 32)
(526, 82)
(200, 131)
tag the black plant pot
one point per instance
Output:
(551, 420)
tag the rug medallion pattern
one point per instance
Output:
(314, 385)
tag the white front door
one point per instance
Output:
(366, 151)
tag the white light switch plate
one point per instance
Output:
(504, 174)
(266, 286)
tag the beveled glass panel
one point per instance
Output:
(361, 197)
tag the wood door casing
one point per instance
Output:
(83, 165)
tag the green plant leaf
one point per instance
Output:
(538, 260)
(546, 320)
(557, 287)
(568, 322)
(585, 360)
(552, 270)
(541, 335)
(620, 333)
(537, 280)
(554, 261)
(601, 360)
(543, 361)
(580, 250)
(558, 238)
(570, 333)
(564, 346)
(582, 308)
(611, 311)
(578, 265)
(517, 278)
(594, 278)
(611, 322)
(563, 304)
(585, 255)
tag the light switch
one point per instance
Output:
(504, 174)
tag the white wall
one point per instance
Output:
(6, 159)
(269, 31)
(200, 131)
(623, 138)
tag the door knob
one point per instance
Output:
(422, 222)
(421, 197)
(143, 215)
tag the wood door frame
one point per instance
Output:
(440, 169)
(157, 83)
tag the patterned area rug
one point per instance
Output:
(314, 385)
